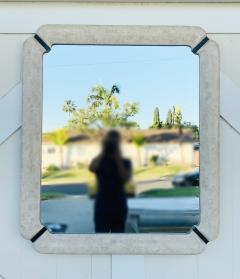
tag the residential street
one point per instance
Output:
(81, 188)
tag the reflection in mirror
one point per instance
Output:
(120, 139)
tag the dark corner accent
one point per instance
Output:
(199, 45)
(42, 43)
(200, 235)
(38, 234)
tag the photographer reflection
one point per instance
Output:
(112, 172)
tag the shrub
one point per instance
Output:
(50, 170)
(138, 139)
(51, 196)
(154, 159)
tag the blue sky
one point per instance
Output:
(153, 76)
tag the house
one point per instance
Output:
(166, 145)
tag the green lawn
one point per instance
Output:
(174, 192)
(155, 193)
(51, 196)
(156, 172)
(83, 175)
(69, 175)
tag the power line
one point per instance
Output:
(114, 62)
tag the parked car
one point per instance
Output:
(196, 146)
(186, 179)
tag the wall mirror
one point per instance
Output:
(150, 96)
(120, 139)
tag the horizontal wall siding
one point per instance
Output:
(211, 17)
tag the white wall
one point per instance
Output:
(17, 257)
(83, 153)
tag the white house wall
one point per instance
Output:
(83, 153)
(17, 257)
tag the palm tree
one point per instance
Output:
(139, 140)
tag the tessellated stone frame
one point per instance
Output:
(163, 243)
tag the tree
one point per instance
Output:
(187, 124)
(169, 120)
(156, 119)
(173, 116)
(194, 128)
(59, 137)
(139, 140)
(195, 132)
(103, 111)
(178, 117)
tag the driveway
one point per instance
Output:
(77, 213)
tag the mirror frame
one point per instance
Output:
(151, 243)
(126, 1)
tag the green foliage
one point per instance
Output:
(51, 169)
(156, 172)
(156, 119)
(69, 175)
(103, 111)
(154, 159)
(178, 117)
(174, 192)
(194, 128)
(138, 139)
(187, 124)
(51, 196)
(59, 136)
(195, 132)
(173, 116)
(83, 175)
(169, 119)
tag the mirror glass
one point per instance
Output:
(120, 139)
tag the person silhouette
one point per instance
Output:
(112, 172)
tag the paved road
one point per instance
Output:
(67, 189)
